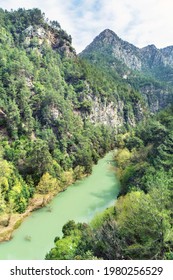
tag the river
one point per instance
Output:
(80, 202)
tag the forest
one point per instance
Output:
(47, 137)
(140, 224)
(50, 137)
(47, 141)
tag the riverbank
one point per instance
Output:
(80, 202)
(9, 223)
(15, 220)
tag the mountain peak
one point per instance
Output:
(109, 44)
(108, 32)
(108, 36)
(151, 47)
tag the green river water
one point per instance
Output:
(80, 202)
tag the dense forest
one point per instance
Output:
(60, 113)
(46, 140)
(140, 225)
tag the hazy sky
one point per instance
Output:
(140, 22)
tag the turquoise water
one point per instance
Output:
(80, 202)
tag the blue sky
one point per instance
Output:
(140, 22)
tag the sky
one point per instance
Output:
(140, 22)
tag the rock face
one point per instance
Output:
(167, 56)
(134, 58)
(115, 114)
(120, 55)
(150, 69)
(157, 98)
(108, 42)
(36, 36)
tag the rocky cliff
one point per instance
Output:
(36, 36)
(149, 70)
(92, 93)
(133, 57)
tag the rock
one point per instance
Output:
(153, 66)
(56, 38)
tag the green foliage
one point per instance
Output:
(66, 247)
(143, 225)
(123, 157)
(68, 228)
(2, 203)
(47, 184)
(134, 142)
(140, 224)
(100, 218)
(14, 192)
(47, 141)
(150, 144)
(46, 97)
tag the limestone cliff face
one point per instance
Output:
(111, 114)
(133, 57)
(36, 36)
(116, 114)
(157, 98)
(153, 57)
(108, 42)
(126, 60)
(167, 56)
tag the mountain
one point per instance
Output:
(144, 59)
(149, 70)
(58, 113)
(108, 43)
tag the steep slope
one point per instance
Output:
(147, 58)
(107, 43)
(139, 225)
(58, 113)
(149, 69)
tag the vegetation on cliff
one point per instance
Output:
(46, 139)
(47, 93)
(140, 225)
(60, 113)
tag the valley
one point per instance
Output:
(60, 116)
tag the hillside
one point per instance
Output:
(59, 113)
(139, 226)
(149, 70)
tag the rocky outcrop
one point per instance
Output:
(133, 57)
(108, 42)
(167, 54)
(156, 97)
(109, 114)
(36, 36)
(151, 63)
(114, 114)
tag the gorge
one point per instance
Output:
(80, 202)
(59, 114)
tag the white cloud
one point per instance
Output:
(140, 22)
